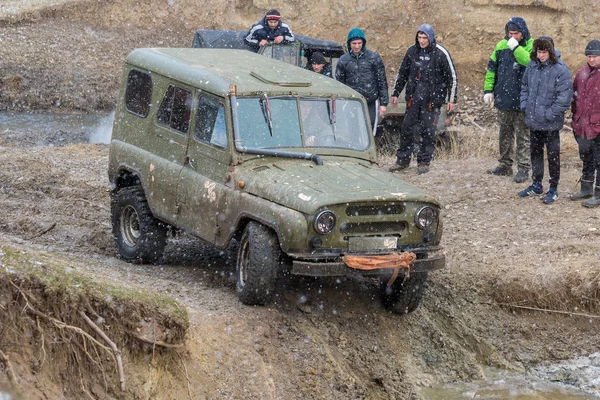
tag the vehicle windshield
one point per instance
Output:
(288, 122)
(288, 53)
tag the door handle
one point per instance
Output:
(191, 162)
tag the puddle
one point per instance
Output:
(48, 129)
(509, 385)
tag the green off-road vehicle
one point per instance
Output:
(228, 144)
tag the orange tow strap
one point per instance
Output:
(397, 261)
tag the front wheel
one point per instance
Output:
(404, 296)
(139, 237)
(258, 262)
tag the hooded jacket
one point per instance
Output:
(547, 91)
(363, 72)
(439, 74)
(261, 31)
(586, 103)
(506, 68)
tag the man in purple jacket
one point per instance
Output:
(586, 124)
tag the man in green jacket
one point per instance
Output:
(502, 88)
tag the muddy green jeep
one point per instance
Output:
(227, 144)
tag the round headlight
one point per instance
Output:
(425, 217)
(325, 222)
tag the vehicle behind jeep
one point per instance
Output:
(226, 144)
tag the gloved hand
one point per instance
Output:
(488, 98)
(513, 43)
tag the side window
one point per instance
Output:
(175, 109)
(210, 122)
(138, 94)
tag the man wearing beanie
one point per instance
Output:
(363, 71)
(428, 73)
(269, 29)
(502, 88)
(319, 65)
(586, 124)
(546, 94)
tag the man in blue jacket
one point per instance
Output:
(546, 94)
(269, 29)
(428, 73)
(502, 88)
(363, 71)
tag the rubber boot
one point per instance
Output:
(586, 191)
(594, 201)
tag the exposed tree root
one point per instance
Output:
(12, 377)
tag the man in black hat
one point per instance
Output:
(319, 65)
(269, 29)
(502, 88)
(586, 127)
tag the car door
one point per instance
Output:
(168, 143)
(201, 187)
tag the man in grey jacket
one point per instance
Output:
(545, 96)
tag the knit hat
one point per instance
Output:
(317, 58)
(593, 48)
(273, 14)
(511, 26)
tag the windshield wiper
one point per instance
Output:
(331, 104)
(265, 105)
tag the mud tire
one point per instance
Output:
(403, 297)
(258, 261)
(139, 237)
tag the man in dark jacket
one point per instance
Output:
(586, 124)
(502, 87)
(546, 94)
(428, 73)
(269, 29)
(363, 71)
(319, 65)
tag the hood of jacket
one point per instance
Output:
(428, 30)
(520, 22)
(356, 33)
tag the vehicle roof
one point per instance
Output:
(214, 70)
(234, 39)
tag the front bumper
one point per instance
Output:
(339, 268)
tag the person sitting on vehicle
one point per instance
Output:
(269, 29)
(319, 65)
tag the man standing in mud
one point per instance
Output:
(586, 114)
(502, 88)
(269, 29)
(363, 70)
(428, 73)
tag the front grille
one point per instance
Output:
(363, 210)
(372, 228)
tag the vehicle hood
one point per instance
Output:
(307, 187)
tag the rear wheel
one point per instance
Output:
(258, 263)
(140, 238)
(404, 296)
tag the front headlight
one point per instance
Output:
(325, 222)
(425, 217)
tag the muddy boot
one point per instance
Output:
(594, 201)
(585, 192)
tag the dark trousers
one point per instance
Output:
(589, 153)
(537, 141)
(418, 116)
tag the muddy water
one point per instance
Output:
(510, 385)
(577, 379)
(94, 128)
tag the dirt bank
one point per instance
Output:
(321, 338)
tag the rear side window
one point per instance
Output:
(138, 94)
(175, 109)
(210, 122)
